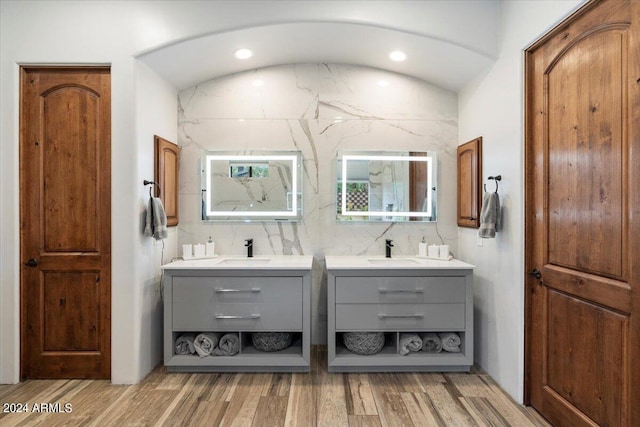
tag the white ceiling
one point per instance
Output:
(447, 43)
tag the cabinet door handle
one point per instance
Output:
(232, 317)
(401, 316)
(401, 291)
(252, 290)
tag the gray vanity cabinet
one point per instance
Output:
(240, 301)
(431, 297)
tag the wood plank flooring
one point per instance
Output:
(270, 399)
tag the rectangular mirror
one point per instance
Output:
(261, 186)
(389, 186)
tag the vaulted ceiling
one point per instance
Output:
(447, 43)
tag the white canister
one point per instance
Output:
(187, 251)
(211, 249)
(444, 251)
(422, 250)
(198, 250)
(434, 251)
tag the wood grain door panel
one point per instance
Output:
(65, 214)
(70, 169)
(587, 230)
(582, 233)
(576, 359)
(71, 310)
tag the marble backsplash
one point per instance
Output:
(317, 109)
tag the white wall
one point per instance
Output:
(156, 114)
(492, 106)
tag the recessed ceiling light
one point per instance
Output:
(243, 53)
(257, 82)
(383, 83)
(398, 56)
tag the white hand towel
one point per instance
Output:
(204, 343)
(450, 341)
(409, 342)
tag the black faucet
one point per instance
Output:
(249, 245)
(388, 247)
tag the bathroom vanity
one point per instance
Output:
(395, 296)
(241, 296)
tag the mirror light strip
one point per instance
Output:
(294, 186)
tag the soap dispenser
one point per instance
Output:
(211, 248)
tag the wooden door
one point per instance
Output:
(583, 218)
(65, 229)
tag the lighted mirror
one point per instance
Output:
(259, 186)
(390, 186)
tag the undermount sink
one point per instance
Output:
(393, 261)
(242, 261)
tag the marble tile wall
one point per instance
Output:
(317, 109)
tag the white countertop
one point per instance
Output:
(398, 262)
(273, 262)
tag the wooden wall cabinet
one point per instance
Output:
(469, 179)
(166, 175)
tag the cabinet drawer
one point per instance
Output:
(391, 290)
(237, 303)
(399, 317)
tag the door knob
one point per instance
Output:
(31, 263)
(535, 273)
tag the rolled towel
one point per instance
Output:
(450, 341)
(184, 344)
(228, 345)
(409, 342)
(431, 342)
(205, 343)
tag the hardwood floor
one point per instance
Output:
(265, 399)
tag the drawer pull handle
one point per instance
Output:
(401, 316)
(231, 317)
(252, 290)
(401, 291)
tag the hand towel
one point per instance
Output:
(184, 344)
(450, 341)
(156, 220)
(431, 342)
(205, 343)
(228, 345)
(489, 216)
(409, 342)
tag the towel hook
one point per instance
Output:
(147, 182)
(496, 178)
